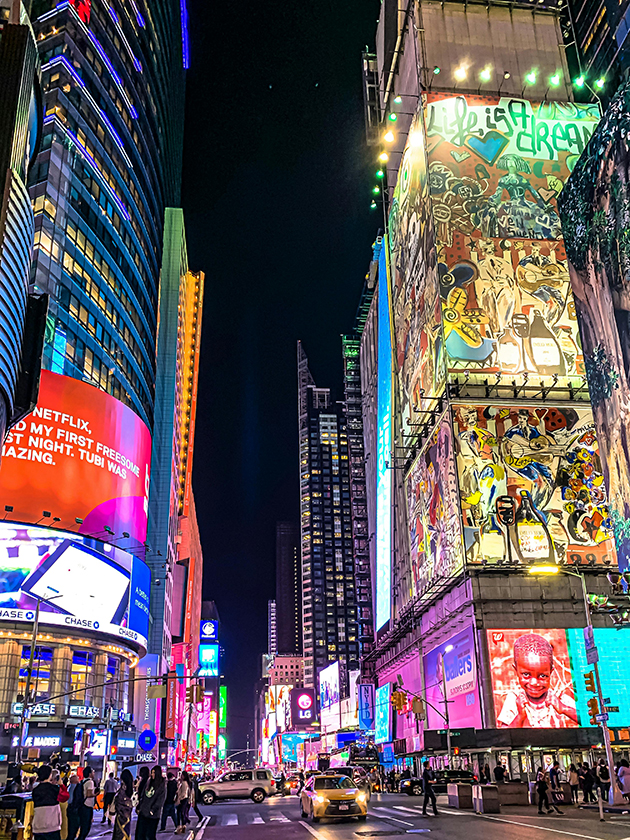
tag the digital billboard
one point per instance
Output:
(208, 660)
(303, 708)
(383, 714)
(436, 550)
(209, 630)
(384, 447)
(88, 584)
(83, 457)
(329, 698)
(593, 208)
(613, 646)
(453, 664)
(496, 168)
(222, 707)
(546, 459)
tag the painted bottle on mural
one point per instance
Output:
(544, 349)
(533, 540)
(509, 352)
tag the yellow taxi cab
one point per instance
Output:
(332, 796)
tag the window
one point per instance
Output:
(82, 662)
(112, 676)
(40, 675)
(261, 775)
(243, 776)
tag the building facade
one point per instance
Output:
(288, 588)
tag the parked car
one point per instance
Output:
(239, 784)
(412, 787)
(332, 796)
(415, 787)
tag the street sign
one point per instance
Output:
(589, 638)
(612, 709)
(147, 740)
(601, 718)
(592, 656)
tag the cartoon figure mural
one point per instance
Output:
(547, 460)
(496, 167)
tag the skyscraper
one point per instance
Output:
(329, 605)
(288, 588)
(272, 628)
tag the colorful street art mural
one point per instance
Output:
(546, 460)
(496, 167)
(595, 211)
(434, 524)
(419, 352)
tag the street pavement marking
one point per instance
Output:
(542, 828)
(404, 808)
(278, 818)
(386, 816)
(202, 823)
(313, 831)
(229, 819)
(256, 819)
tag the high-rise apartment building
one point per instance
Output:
(288, 588)
(272, 628)
(329, 606)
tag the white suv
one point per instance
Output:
(239, 784)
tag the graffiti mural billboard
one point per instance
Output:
(547, 461)
(435, 534)
(419, 352)
(594, 207)
(496, 167)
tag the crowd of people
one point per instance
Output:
(63, 807)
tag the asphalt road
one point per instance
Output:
(390, 815)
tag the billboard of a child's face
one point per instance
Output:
(531, 679)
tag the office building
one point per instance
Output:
(288, 588)
(272, 628)
(286, 670)
(329, 606)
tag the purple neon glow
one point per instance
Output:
(99, 49)
(184, 15)
(59, 8)
(139, 18)
(61, 59)
(116, 19)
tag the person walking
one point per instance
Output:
(486, 774)
(588, 782)
(195, 797)
(499, 773)
(574, 782)
(150, 805)
(72, 812)
(109, 792)
(542, 786)
(85, 795)
(123, 807)
(603, 779)
(428, 780)
(623, 776)
(183, 802)
(141, 782)
(169, 803)
(557, 794)
(46, 808)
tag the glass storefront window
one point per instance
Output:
(40, 677)
(111, 691)
(82, 662)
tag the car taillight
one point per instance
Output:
(272, 782)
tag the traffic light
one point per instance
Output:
(593, 710)
(190, 694)
(417, 706)
(198, 693)
(399, 700)
(589, 682)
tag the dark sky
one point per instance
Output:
(276, 195)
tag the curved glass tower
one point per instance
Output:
(113, 82)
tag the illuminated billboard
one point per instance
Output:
(546, 459)
(384, 447)
(365, 706)
(208, 660)
(593, 207)
(383, 716)
(452, 666)
(81, 456)
(209, 630)
(435, 535)
(303, 708)
(496, 168)
(613, 646)
(89, 584)
(222, 707)
(329, 698)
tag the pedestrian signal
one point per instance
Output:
(190, 694)
(593, 710)
(198, 694)
(589, 682)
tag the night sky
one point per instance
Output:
(276, 195)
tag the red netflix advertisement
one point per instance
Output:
(83, 455)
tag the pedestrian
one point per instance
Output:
(499, 773)
(623, 776)
(486, 773)
(195, 796)
(542, 786)
(588, 782)
(557, 794)
(85, 795)
(46, 809)
(428, 779)
(183, 802)
(123, 807)
(141, 783)
(603, 779)
(300, 781)
(73, 811)
(109, 792)
(169, 803)
(150, 805)
(574, 782)
(64, 796)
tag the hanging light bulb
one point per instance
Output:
(383, 157)
(398, 100)
(580, 81)
(393, 117)
(376, 190)
(389, 137)
(373, 206)
(380, 173)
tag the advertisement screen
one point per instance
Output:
(222, 707)
(209, 660)
(434, 522)
(290, 742)
(303, 708)
(81, 455)
(88, 583)
(595, 224)
(532, 680)
(383, 716)
(453, 664)
(614, 655)
(209, 630)
(547, 461)
(384, 446)
(496, 168)
(329, 698)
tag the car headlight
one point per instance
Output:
(360, 797)
(320, 799)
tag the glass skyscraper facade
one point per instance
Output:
(113, 82)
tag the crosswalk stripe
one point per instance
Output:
(256, 820)
(278, 818)
(229, 819)
(409, 810)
